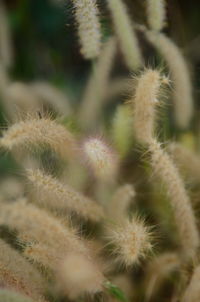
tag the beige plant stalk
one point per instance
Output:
(179, 72)
(144, 103)
(159, 269)
(125, 33)
(17, 273)
(63, 197)
(97, 86)
(156, 14)
(86, 14)
(39, 253)
(36, 225)
(39, 132)
(76, 273)
(187, 160)
(51, 241)
(117, 208)
(101, 158)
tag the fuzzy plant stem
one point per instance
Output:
(63, 197)
(86, 15)
(179, 72)
(17, 273)
(55, 241)
(144, 103)
(156, 14)
(42, 132)
(187, 160)
(125, 33)
(117, 208)
(95, 92)
(51, 95)
(159, 269)
(101, 158)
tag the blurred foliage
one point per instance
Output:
(115, 291)
(46, 45)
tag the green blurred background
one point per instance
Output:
(46, 44)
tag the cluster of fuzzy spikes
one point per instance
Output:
(50, 217)
(55, 245)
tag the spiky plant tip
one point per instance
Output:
(39, 131)
(101, 158)
(86, 14)
(144, 104)
(144, 118)
(132, 241)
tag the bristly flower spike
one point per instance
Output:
(156, 14)
(132, 241)
(125, 33)
(101, 158)
(144, 104)
(86, 14)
